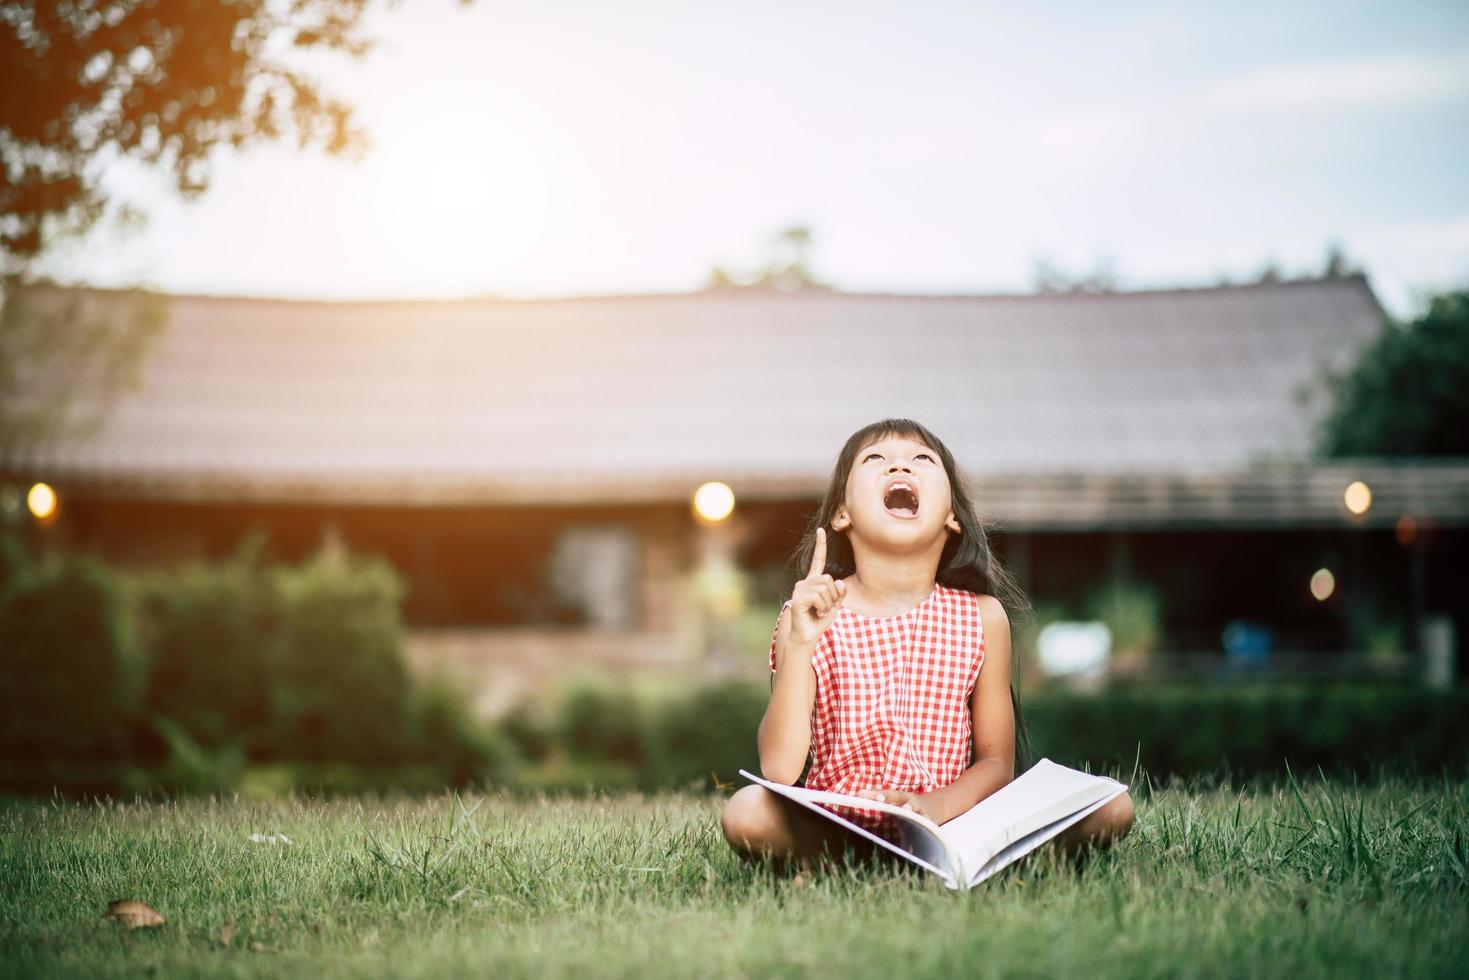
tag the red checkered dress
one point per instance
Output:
(892, 700)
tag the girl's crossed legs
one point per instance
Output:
(761, 825)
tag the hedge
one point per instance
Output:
(191, 679)
(707, 732)
(183, 679)
(71, 670)
(1256, 729)
(344, 693)
(214, 636)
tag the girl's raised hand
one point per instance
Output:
(815, 598)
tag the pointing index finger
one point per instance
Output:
(818, 554)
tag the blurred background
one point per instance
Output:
(410, 395)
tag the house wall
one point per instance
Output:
(1205, 579)
(496, 568)
(466, 566)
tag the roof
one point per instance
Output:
(642, 397)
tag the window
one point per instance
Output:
(595, 569)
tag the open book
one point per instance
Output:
(997, 831)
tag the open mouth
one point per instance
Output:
(901, 500)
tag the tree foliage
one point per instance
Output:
(1408, 393)
(787, 270)
(66, 356)
(162, 81)
(1048, 277)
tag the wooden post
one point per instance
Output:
(1018, 553)
(1119, 559)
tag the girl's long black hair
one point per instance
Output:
(968, 562)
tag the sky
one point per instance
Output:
(553, 148)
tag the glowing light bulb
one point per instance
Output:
(1358, 497)
(1323, 584)
(714, 501)
(41, 500)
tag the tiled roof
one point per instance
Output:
(637, 396)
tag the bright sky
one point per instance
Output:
(549, 148)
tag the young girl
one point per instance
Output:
(890, 661)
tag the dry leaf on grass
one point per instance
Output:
(133, 914)
(227, 932)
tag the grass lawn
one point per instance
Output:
(1330, 880)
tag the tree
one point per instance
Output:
(161, 81)
(787, 270)
(1337, 265)
(65, 357)
(165, 82)
(720, 278)
(1408, 392)
(1047, 277)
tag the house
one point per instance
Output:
(528, 465)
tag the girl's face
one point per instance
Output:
(897, 496)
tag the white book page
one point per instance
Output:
(926, 845)
(1035, 839)
(1041, 796)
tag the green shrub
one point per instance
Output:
(711, 729)
(448, 736)
(1170, 729)
(191, 767)
(298, 667)
(344, 692)
(599, 718)
(293, 662)
(72, 669)
(531, 728)
(214, 638)
(1186, 730)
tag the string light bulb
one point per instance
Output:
(1323, 584)
(1358, 497)
(41, 500)
(714, 501)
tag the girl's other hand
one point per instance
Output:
(815, 599)
(897, 797)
